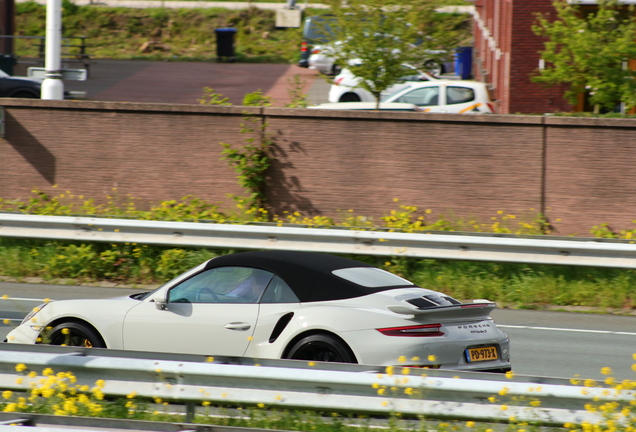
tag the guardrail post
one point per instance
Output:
(190, 406)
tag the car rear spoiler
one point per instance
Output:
(466, 310)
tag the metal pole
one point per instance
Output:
(53, 87)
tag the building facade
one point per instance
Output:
(507, 54)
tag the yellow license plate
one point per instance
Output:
(481, 354)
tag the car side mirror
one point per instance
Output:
(161, 301)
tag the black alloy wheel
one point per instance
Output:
(321, 347)
(74, 334)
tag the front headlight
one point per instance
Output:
(33, 312)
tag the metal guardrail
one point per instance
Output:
(302, 385)
(494, 248)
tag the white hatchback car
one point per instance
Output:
(446, 96)
(428, 93)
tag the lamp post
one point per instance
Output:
(52, 86)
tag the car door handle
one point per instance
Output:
(240, 326)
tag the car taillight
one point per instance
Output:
(303, 47)
(337, 81)
(491, 106)
(315, 51)
(417, 330)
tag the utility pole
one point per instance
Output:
(52, 86)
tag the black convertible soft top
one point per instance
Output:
(308, 274)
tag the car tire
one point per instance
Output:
(434, 68)
(335, 70)
(349, 97)
(321, 347)
(24, 94)
(78, 335)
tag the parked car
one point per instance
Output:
(25, 87)
(283, 304)
(432, 95)
(320, 59)
(366, 106)
(316, 31)
(345, 87)
(446, 96)
(19, 87)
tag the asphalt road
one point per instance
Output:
(557, 344)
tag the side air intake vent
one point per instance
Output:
(432, 300)
(422, 302)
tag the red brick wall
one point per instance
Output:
(467, 166)
(510, 56)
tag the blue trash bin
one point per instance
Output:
(464, 62)
(225, 42)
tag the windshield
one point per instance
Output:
(176, 279)
(390, 94)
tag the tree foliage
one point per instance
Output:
(375, 38)
(589, 49)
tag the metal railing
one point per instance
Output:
(307, 385)
(72, 50)
(494, 248)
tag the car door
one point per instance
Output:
(460, 99)
(213, 312)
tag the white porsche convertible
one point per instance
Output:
(289, 305)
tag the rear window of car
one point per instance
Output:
(371, 277)
(457, 95)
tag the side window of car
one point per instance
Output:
(222, 285)
(426, 96)
(279, 292)
(457, 95)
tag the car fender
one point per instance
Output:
(108, 321)
(317, 317)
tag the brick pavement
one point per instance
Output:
(183, 82)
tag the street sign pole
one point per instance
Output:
(52, 86)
